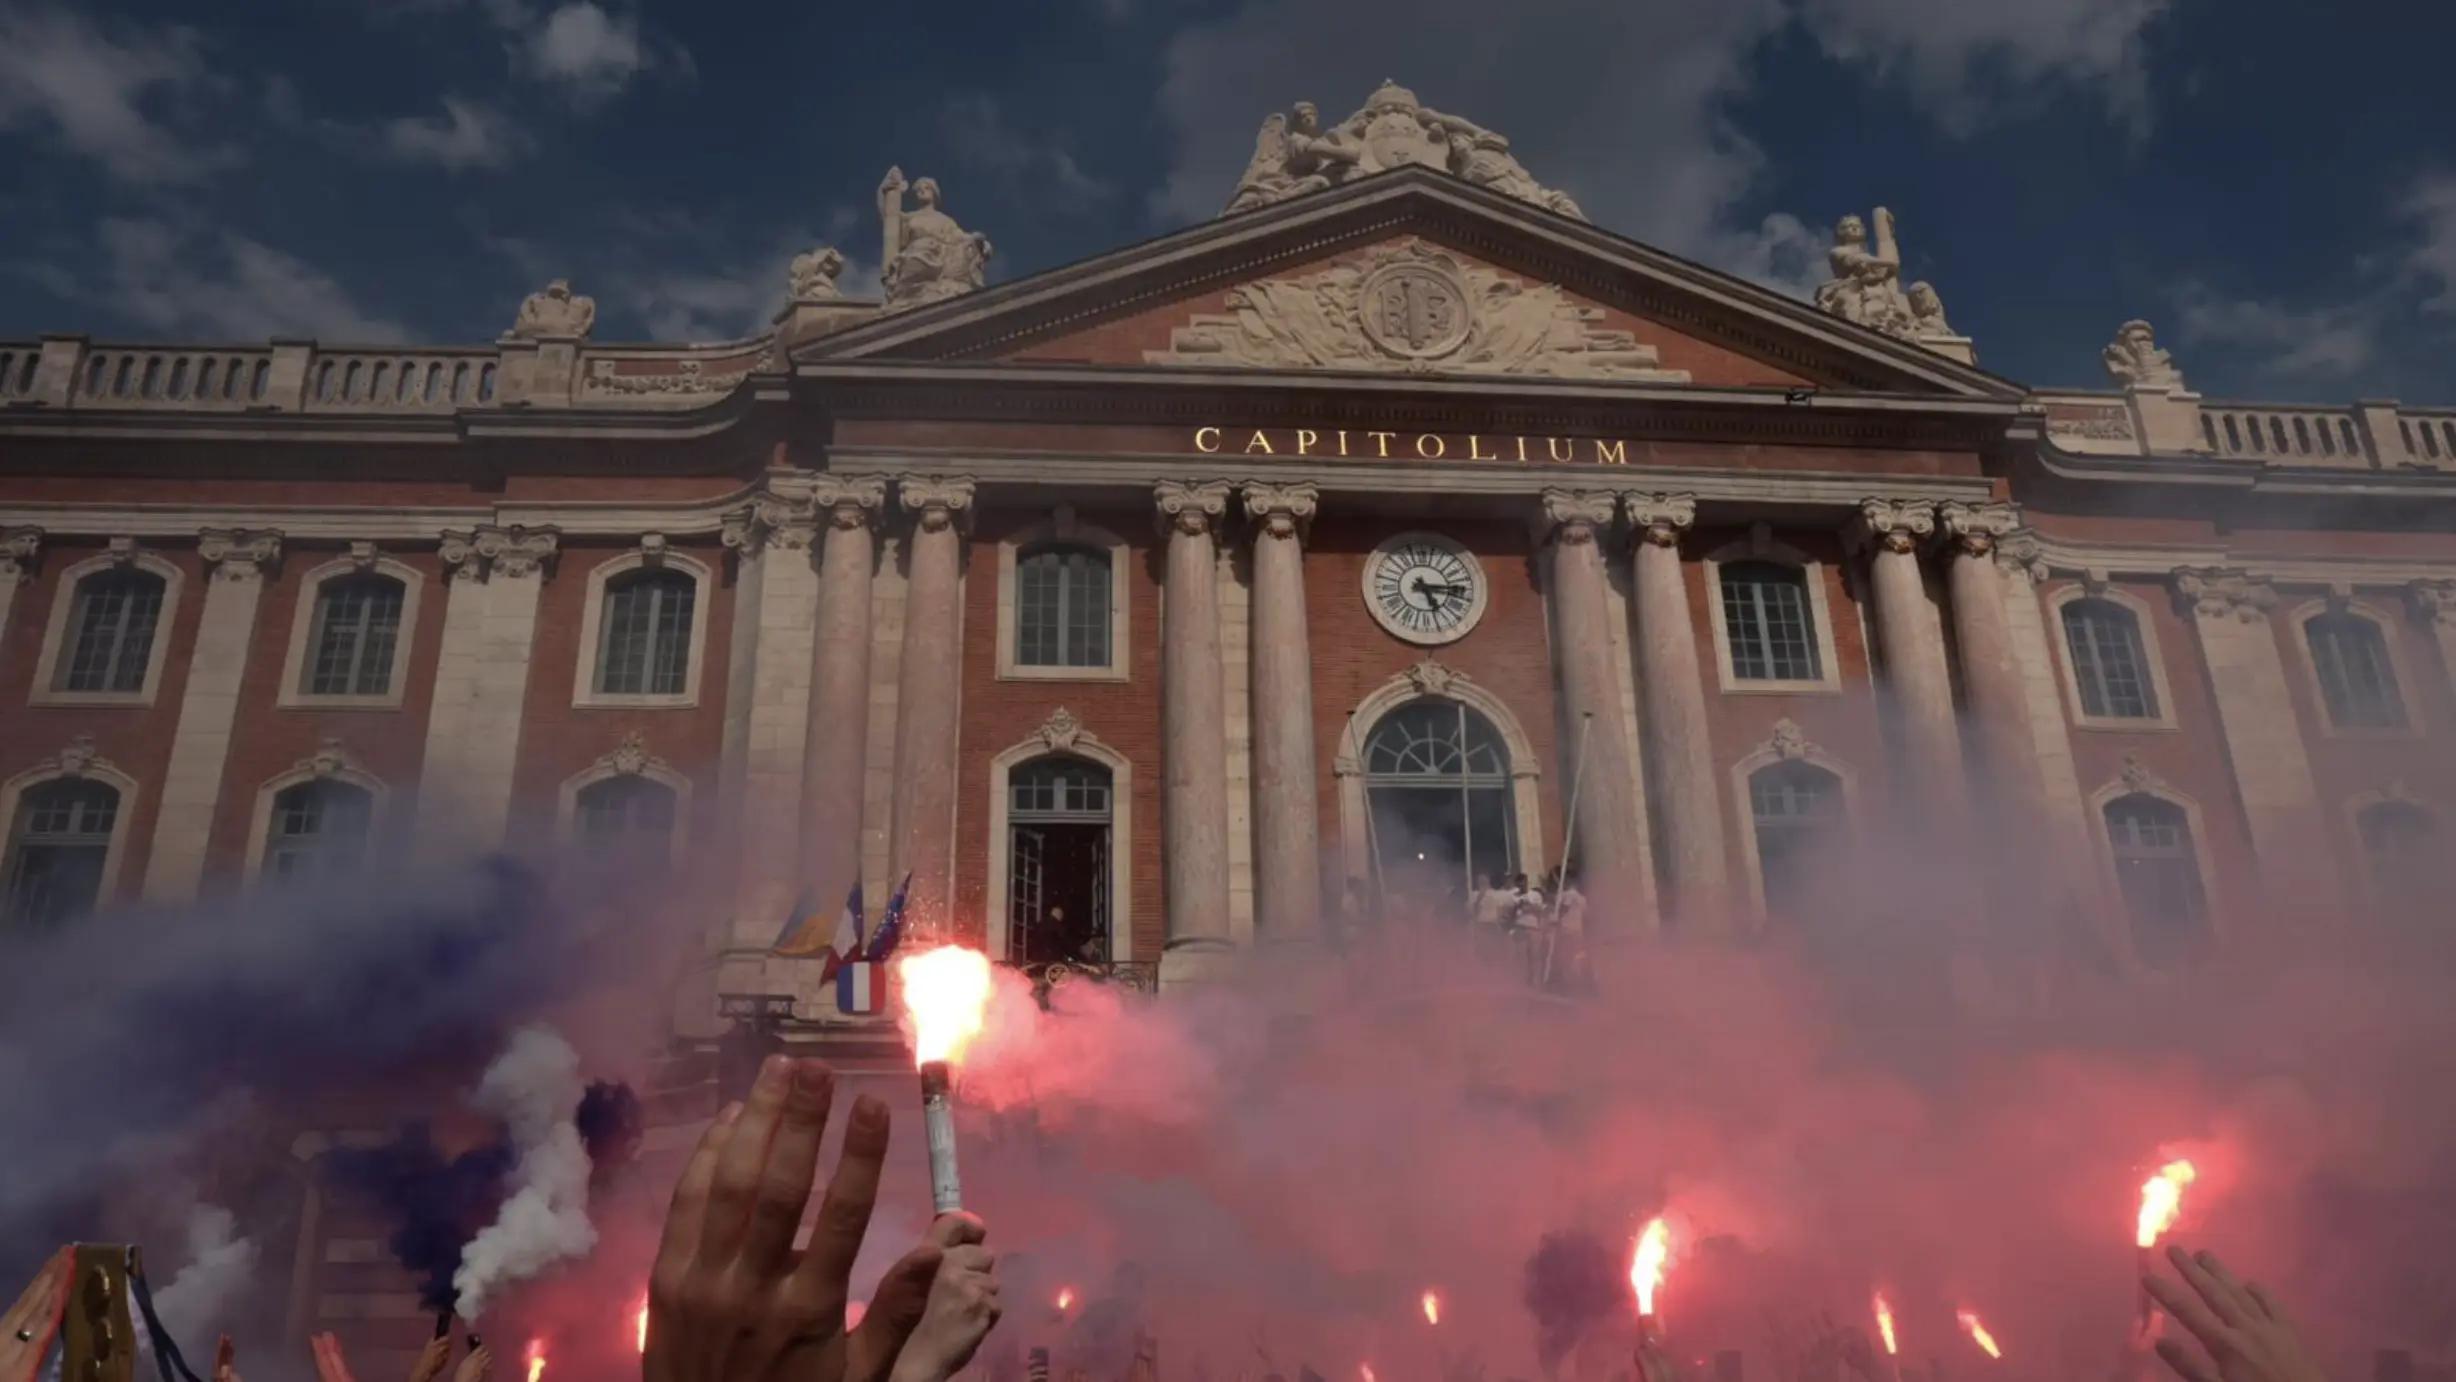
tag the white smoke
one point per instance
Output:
(220, 1266)
(534, 1087)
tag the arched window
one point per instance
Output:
(2110, 666)
(644, 639)
(111, 626)
(1437, 782)
(2349, 657)
(1059, 857)
(356, 636)
(318, 827)
(2158, 874)
(2400, 852)
(1796, 810)
(57, 849)
(1769, 622)
(1062, 606)
(629, 816)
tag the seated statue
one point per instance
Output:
(554, 311)
(928, 258)
(1866, 286)
(2135, 359)
(1268, 179)
(1927, 311)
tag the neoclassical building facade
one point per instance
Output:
(1397, 528)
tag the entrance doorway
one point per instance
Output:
(1437, 785)
(1058, 859)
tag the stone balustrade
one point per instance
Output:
(2155, 421)
(2290, 434)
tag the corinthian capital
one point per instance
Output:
(1660, 519)
(18, 549)
(1575, 517)
(1281, 511)
(1975, 529)
(1190, 506)
(239, 554)
(937, 502)
(770, 520)
(2216, 592)
(1894, 525)
(850, 501)
(2433, 602)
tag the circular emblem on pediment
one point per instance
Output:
(1414, 310)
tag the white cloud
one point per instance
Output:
(2432, 205)
(1621, 105)
(58, 68)
(2282, 340)
(591, 54)
(977, 129)
(225, 286)
(466, 135)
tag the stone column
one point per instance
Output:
(1194, 735)
(1679, 746)
(1609, 854)
(2434, 603)
(929, 696)
(774, 617)
(1915, 676)
(834, 749)
(235, 560)
(2007, 767)
(18, 549)
(1287, 821)
(481, 680)
(2264, 738)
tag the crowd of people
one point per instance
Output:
(732, 1299)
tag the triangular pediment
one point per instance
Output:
(1412, 273)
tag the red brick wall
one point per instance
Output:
(1123, 715)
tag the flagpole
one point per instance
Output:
(1364, 786)
(1569, 835)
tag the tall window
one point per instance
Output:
(1062, 607)
(1796, 808)
(318, 827)
(357, 625)
(2109, 664)
(111, 631)
(629, 815)
(2400, 849)
(57, 848)
(1768, 620)
(2158, 874)
(1438, 787)
(2358, 683)
(645, 646)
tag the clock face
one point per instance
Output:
(1424, 588)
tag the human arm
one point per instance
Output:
(2246, 1337)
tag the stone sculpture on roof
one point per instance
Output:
(2136, 360)
(927, 256)
(554, 311)
(1866, 288)
(1294, 155)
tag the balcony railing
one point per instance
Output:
(2292, 433)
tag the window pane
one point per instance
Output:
(644, 647)
(57, 848)
(1795, 808)
(2158, 874)
(1767, 622)
(2356, 680)
(317, 827)
(1064, 787)
(111, 632)
(1062, 607)
(2109, 662)
(357, 625)
(627, 814)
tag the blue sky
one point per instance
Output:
(2274, 185)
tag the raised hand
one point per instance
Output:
(475, 1367)
(961, 1307)
(330, 1365)
(730, 1300)
(2246, 1336)
(432, 1360)
(225, 1361)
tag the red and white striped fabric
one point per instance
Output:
(861, 988)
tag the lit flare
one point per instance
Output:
(1432, 1307)
(1365, 1371)
(537, 1359)
(946, 993)
(1065, 1298)
(2161, 1199)
(642, 1330)
(1647, 1261)
(1977, 1330)
(1884, 1324)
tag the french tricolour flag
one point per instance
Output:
(861, 988)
